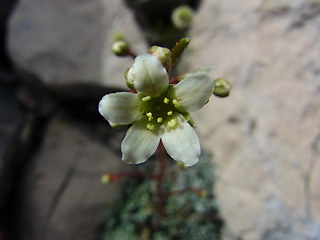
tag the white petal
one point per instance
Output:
(181, 143)
(139, 143)
(194, 91)
(149, 76)
(120, 108)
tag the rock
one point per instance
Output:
(11, 119)
(265, 136)
(63, 197)
(65, 43)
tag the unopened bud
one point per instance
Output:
(163, 54)
(105, 179)
(182, 17)
(129, 79)
(222, 87)
(120, 48)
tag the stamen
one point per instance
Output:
(176, 103)
(146, 98)
(159, 119)
(150, 126)
(169, 113)
(149, 115)
(172, 123)
(166, 100)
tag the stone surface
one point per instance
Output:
(265, 136)
(69, 42)
(11, 119)
(63, 197)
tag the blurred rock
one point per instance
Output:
(265, 136)
(63, 197)
(69, 42)
(11, 119)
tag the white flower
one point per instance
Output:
(158, 110)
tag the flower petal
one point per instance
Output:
(181, 143)
(149, 76)
(120, 108)
(139, 143)
(194, 91)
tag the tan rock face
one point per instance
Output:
(68, 42)
(265, 136)
(64, 198)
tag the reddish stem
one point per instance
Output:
(159, 182)
(130, 53)
(120, 175)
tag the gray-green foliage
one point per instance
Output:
(187, 214)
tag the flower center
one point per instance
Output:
(160, 110)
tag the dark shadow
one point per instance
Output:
(154, 18)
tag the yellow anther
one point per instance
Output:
(172, 123)
(150, 126)
(176, 103)
(169, 113)
(166, 100)
(146, 98)
(149, 115)
(160, 120)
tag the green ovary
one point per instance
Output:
(160, 110)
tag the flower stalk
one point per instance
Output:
(160, 153)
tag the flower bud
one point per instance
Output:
(120, 48)
(182, 17)
(105, 179)
(129, 79)
(163, 54)
(222, 87)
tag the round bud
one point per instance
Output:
(222, 87)
(182, 17)
(105, 179)
(120, 48)
(163, 54)
(129, 79)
